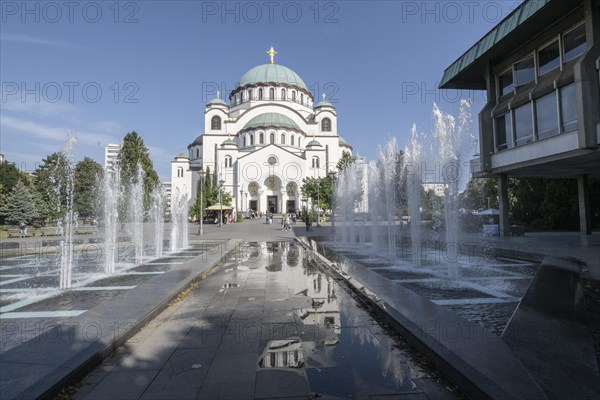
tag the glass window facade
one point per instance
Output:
(524, 71)
(523, 125)
(503, 132)
(505, 82)
(568, 108)
(574, 43)
(549, 58)
(546, 109)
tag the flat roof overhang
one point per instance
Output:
(523, 24)
(565, 165)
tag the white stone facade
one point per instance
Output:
(266, 141)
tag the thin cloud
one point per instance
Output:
(52, 133)
(29, 39)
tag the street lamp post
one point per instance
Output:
(221, 182)
(201, 227)
(242, 199)
(319, 202)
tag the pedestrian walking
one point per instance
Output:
(22, 230)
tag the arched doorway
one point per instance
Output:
(273, 193)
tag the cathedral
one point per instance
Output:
(263, 142)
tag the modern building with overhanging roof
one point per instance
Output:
(540, 69)
(265, 141)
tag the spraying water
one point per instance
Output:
(179, 218)
(413, 187)
(136, 214)
(112, 189)
(70, 218)
(156, 213)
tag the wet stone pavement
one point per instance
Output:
(269, 323)
(31, 302)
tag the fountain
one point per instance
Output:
(413, 188)
(157, 216)
(136, 214)
(111, 192)
(66, 245)
(179, 222)
(437, 267)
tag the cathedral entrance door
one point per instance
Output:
(254, 205)
(272, 204)
(291, 206)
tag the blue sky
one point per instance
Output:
(103, 68)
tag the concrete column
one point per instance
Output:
(502, 180)
(585, 213)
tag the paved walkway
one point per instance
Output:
(268, 324)
(45, 357)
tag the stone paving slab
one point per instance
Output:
(40, 365)
(548, 333)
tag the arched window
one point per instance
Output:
(302, 98)
(249, 94)
(282, 138)
(272, 138)
(261, 139)
(228, 162)
(251, 140)
(293, 95)
(197, 153)
(299, 143)
(244, 141)
(326, 125)
(315, 162)
(215, 123)
(260, 94)
(272, 94)
(282, 94)
(180, 172)
(292, 140)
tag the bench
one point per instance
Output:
(15, 232)
(51, 231)
(85, 229)
(12, 232)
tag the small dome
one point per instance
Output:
(216, 101)
(271, 73)
(197, 142)
(271, 120)
(324, 103)
(314, 143)
(181, 155)
(229, 142)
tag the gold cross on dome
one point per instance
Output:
(272, 53)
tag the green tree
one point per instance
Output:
(50, 184)
(21, 205)
(319, 190)
(210, 194)
(345, 160)
(481, 193)
(88, 175)
(9, 176)
(133, 153)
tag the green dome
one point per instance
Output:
(197, 142)
(229, 142)
(216, 101)
(314, 143)
(324, 103)
(271, 73)
(271, 120)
